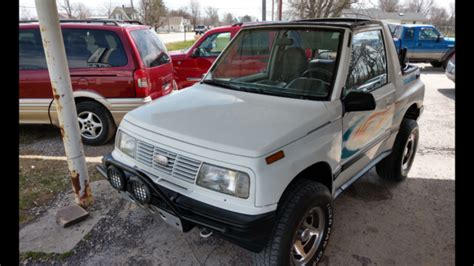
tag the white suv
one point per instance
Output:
(276, 130)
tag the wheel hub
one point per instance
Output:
(90, 125)
(308, 236)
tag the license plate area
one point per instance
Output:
(167, 217)
(164, 215)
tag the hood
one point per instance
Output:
(449, 41)
(229, 121)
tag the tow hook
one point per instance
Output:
(205, 233)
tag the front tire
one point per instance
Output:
(397, 165)
(302, 227)
(96, 125)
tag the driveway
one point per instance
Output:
(376, 222)
(176, 36)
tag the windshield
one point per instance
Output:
(288, 62)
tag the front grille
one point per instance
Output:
(178, 166)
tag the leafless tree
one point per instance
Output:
(182, 12)
(82, 11)
(68, 8)
(228, 19)
(442, 19)
(389, 5)
(25, 14)
(194, 6)
(318, 8)
(109, 7)
(152, 12)
(419, 6)
(212, 17)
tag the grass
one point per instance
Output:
(35, 256)
(173, 46)
(41, 180)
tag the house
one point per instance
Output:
(174, 24)
(124, 13)
(389, 17)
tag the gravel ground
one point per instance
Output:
(376, 222)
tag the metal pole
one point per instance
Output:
(273, 10)
(63, 98)
(280, 5)
(264, 10)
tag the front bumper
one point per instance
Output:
(248, 231)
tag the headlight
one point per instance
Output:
(126, 144)
(224, 180)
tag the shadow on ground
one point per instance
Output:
(450, 93)
(45, 140)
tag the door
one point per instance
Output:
(156, 61)
(365, 132)
(195, 66)
(98, 62)
(428, 46)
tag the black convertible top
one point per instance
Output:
(342, 22)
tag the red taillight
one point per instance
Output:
(142, 86)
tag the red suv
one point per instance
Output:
(115, 66)
(192, 63)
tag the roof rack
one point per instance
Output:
(104, 21)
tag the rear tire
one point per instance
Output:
(306, 205)
(445, 63)
(396, 166)
(95, 123)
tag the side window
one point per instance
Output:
(93, 48)
(428, 34)
(31, 50)
(368, 68)
(214, 44)
(409, 34)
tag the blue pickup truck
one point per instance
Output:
(424, 43)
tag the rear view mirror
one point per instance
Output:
(358, 101)
(195, 52)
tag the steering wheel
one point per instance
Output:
(324, 72)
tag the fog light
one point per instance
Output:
(116, 178)
(140, 190)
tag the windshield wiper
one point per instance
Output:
(220, 84)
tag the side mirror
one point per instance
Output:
(440, 38)
(358, 101)
(195, 52)
(402, 57)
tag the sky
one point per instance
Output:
(236, 7)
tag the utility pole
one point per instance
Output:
(63, 98)
(280, 5)
(273, 10)
(264, 10)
